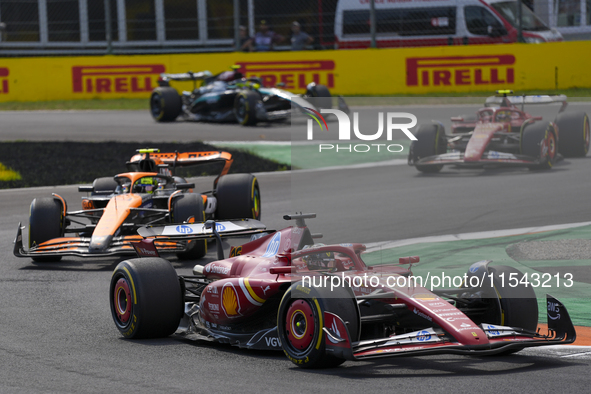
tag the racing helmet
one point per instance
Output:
(229, 76)
(145, 185)
(320, 261)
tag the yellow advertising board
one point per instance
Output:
(347, 72)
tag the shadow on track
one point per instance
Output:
(444, 366)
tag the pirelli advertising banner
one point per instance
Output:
(347, 72)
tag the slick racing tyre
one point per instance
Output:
(573, 129)
(322, 96)
(431, 141)
(187, 207)
(146, 299)
(518, 304)
(165, 104)
(245, 107)
(538, 140)
(238, 197)
(104, 186)
(301, 318)
(46, 221)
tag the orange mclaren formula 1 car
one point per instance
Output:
(149, 194)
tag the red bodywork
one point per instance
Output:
(244, 289)
(493, 137)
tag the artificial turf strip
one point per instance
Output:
(66, 163)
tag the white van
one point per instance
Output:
(401, 23)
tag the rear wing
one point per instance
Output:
(179, 159)
(186, 231)
(495, 101)
(188, 76)
(209, 229)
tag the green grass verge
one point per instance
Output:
(142, 104)
(453, 258)
(93, 104)
(308, 156)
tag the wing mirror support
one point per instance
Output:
(210, 224)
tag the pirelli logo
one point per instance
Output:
(116, 78)
(4, 72)
(460, 70)
(293, 74)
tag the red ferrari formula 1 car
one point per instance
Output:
(259, 298)
(501, 133)
(149, 194)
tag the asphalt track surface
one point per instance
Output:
(57, 334)
(139, 126)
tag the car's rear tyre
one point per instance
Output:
(574, 138)
(46, 221)
(538, 140)
(165, 104)
(301, 318)
(146, 299)
(238, 197)
(431, 141)
(189, 207)
(322, 96)
(104, 186)
(245, 107)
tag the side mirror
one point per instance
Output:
(86, 189)
(185, 186)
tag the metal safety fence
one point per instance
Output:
(32, 27)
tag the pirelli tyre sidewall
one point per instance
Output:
(238, 197)
(304, 343)
(573, 129)
(510, 301)
(245, 105)
(165, 104)
(518, 303)
(145, 298)
(431, 141)
(46, 222)
(539, 141)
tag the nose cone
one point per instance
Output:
(99, 244)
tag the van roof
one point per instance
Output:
(364, 4)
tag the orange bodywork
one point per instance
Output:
(115, 213)
(187, 158)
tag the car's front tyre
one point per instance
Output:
(46, 221)
(300, 321)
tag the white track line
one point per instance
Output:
(576, 355)
(476, 235)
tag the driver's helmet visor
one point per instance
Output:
(147, 185)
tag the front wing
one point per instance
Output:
(488, 158)
(433, 341)
(79, 246)
(173, 238)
